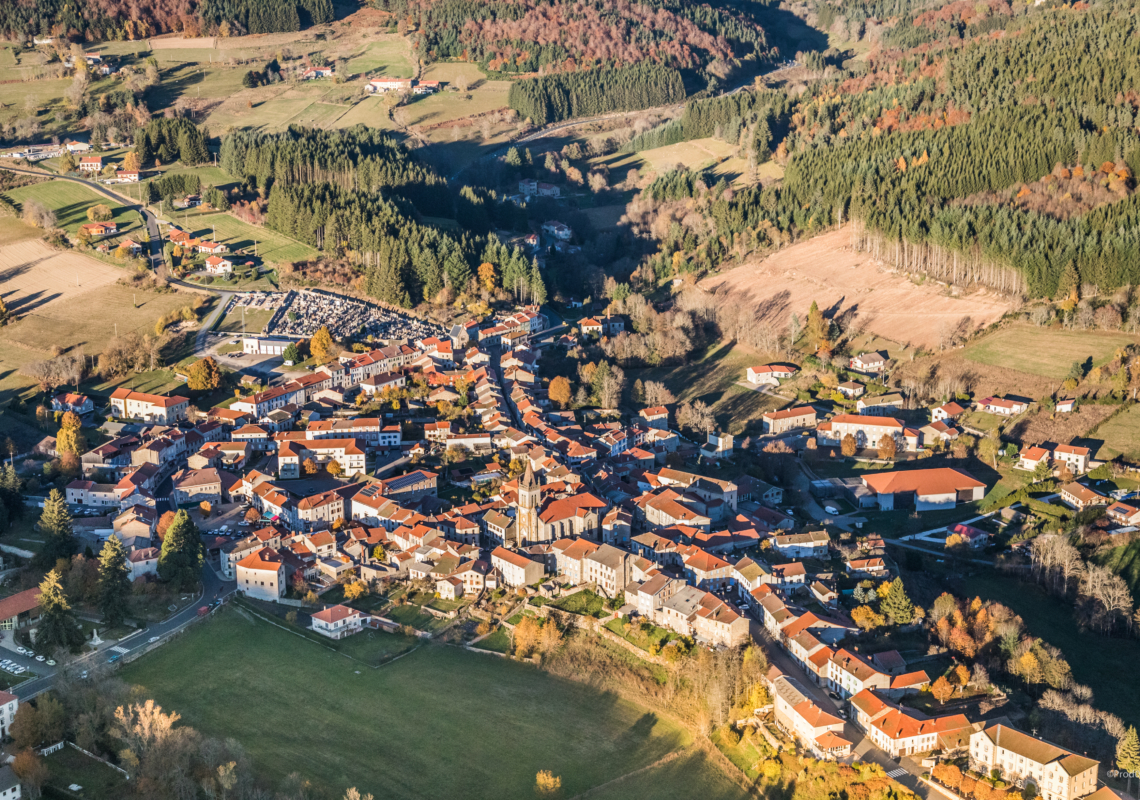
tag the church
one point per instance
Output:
(541, 521)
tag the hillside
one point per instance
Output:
(123, 19)
(525, 36)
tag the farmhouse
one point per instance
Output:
(789, 419)
(851, 389)
(770, 374)
(924, 489)
(1005, 406)
(317, 72)
(870, 363)
(382, 85)
(91, 164)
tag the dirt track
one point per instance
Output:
(32, 275)
(825, 269)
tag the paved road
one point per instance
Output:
(154, 244)
(213, 587)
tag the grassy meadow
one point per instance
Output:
(1047, 352)
(437, 722)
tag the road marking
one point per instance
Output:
(120, 649)
(897, 773)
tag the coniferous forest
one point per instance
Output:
(126, 19)
(911, 142)
(358, 195)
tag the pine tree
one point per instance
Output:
(180, 561)
(114, 582)
(1128, 754)
(55, 521)
(897, 605)
(57, 628)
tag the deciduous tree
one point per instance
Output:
(942, 690)
(848, 446)
(559, 391)
(321, 345)
(204, 375)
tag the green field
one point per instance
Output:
(389, 59)
(1097, 661)
(415, 728)
(370, 111)
(70, 202)
(1045, 351)
(1120, 436)
(696, 154)
(69, 766)
(237, 235)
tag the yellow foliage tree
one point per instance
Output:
(487, 276)
(867, 618)
(547, 784)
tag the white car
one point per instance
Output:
(831, 509)
(153, 639)
(21, 651)
(51, 662)
(41, 658)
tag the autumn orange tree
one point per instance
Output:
(942, 690)
(848, 446)
(887, 447)
(559, 391)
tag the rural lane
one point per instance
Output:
(213, 587)
(154, 241)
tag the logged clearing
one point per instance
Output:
(825, 269)
(34, 276)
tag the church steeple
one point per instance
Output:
(530, 495)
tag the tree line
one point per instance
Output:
(598, 91)
(267, 16)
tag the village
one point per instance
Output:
(439, 466)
